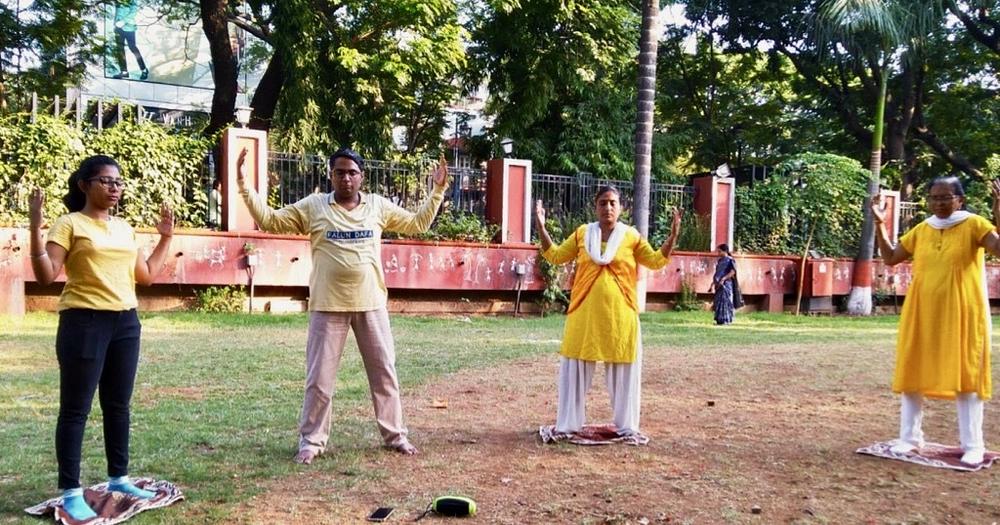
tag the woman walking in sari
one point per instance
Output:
(722, 282)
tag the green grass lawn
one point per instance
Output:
(217, 396)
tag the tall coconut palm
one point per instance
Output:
(875, 31)
(648, 43)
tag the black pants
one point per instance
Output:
(121, 38)
(95, 348)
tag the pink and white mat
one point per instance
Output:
(112, 507)
(930, 455)
(591, 435)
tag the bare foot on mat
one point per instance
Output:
(305, 456)
(406, 449)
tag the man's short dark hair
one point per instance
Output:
(348, 153)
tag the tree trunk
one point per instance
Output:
(648, 42)
(859, 302)
(644, 116)
(265, 98)
(224, 71)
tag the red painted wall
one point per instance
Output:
(13, 270)
(216, 258)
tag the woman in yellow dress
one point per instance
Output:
(943, 347)
(602, 322)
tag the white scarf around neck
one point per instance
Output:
(957, 217)
(592, 241)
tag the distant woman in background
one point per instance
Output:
(722, 283)
(943, 346)
(97, 342)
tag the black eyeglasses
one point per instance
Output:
(941, 198)
(340, 174)
(108, 182)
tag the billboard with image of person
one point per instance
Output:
(162, 61)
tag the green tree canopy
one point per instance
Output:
(561, 78)
(45, 46)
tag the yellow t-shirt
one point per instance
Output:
(346, 244)
(943, 346)
(100, 262)
(602, 323)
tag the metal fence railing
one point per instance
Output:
(572, 197)
(907, 215)
(566, 197)
(297, 176)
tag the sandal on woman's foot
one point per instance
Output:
(305, 456)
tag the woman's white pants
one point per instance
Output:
(624, 387)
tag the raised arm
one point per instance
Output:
(991, 242)
(401, 220)
(147, 269)
(891, 255)
(46, 259)
(543, 233)
(675, 231)
(289, 219)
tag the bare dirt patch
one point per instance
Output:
(779, 435)
(153, 395)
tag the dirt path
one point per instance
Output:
(780, 436)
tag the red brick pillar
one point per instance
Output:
(235, 216)
(891, 200)
(508, 198)
(715, 203)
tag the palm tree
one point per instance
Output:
(875, 31)
(648, 43)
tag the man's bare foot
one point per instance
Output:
(406, 448)
(305, 456)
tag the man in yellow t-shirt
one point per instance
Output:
(347, 290)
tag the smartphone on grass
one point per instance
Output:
(380, 514)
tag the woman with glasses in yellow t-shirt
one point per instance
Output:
(97, 342)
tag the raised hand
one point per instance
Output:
(241, 166)
(878, 208)
(675, 230)
(35, 206)
(675, 225)
(441, 172)
(540, 212)
(166, 225)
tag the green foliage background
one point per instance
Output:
(811, 191)
(158, 166)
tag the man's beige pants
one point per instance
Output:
(324, 346)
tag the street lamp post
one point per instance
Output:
(242, 114)
(508, 146)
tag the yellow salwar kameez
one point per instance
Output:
(943, 344)
(602, 322)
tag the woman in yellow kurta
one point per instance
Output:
(602, 322)
(943, 347)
